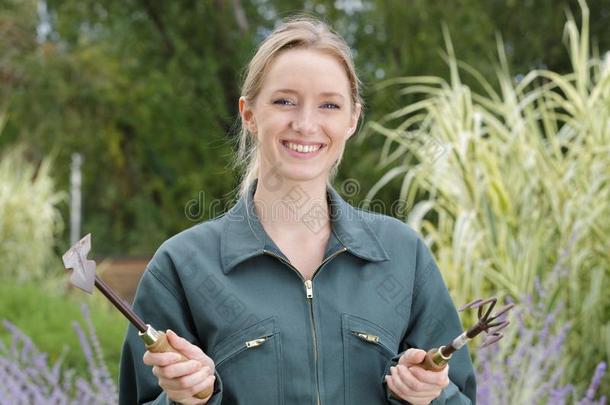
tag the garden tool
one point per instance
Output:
(436, 359)
(84, 277)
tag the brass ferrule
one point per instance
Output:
(438, 357)
(150, 336)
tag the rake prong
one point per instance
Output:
(477, 303)
(498, 326)
(502, 311)
(491, 307)
(489, 300)
(472, 304)
(489, 322)
(493, 338)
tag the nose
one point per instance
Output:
(305, 121)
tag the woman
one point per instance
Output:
(294, 296)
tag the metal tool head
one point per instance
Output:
(489, 323)
(83, 270)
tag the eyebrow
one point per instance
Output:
(324, 94)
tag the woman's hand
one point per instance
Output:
(182, 379)
(413, 383)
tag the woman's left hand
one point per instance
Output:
(413, 383)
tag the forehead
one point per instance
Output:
(306, 69)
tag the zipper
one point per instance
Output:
(309, 289)
(247, 345)
(257, 342)
(309, 295)
(367, 336)
(370, 338)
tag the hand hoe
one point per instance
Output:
(84, 277)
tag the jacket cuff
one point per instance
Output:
(449, 391)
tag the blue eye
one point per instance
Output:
(331, 106)
(282, 101)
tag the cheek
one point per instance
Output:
(273, 123)
(338, 131)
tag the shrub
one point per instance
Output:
(29, 217)
(26, 377)
(511, 184)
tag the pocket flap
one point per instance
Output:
(369, 331)
(237, 340)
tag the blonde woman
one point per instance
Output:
(294, 296)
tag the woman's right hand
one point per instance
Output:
(182, 379)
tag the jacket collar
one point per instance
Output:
(244, 237)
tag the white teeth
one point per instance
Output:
(303, 148)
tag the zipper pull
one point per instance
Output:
(368, 337)
(255, 342)
(309, 288)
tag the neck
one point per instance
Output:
(295, 207)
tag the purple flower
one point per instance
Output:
(26, 377)
(589, 398)
(526, 366)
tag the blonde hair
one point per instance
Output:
(295, 32)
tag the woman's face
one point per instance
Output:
(302, 116)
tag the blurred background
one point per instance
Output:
(486, 128)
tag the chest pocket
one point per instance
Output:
(367, 349)
(249, 364)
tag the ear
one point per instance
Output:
(247, 115)
(354, 120)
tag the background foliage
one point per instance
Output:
(509, 183)
(147, 91)
(29, 218)
(517, 192)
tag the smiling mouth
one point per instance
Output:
(304, 149)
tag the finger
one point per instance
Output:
(188, 349)
(185, 382)
(183, 346)
(412, 357)
(393, 386)
(401, 390)
(413, 382)
(160, 359)
(187, 395)
(437, 378)
(179, 369)
(204, 385)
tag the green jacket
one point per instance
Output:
(277, 339)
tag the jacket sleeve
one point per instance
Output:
(434, 322)
(159, 303)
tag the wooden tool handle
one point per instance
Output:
(162, 346)
(429, 362)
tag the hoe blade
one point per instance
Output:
(83, 270)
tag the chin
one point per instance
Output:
(303, 175)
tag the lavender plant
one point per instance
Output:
(527, 368)
(26, 377)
